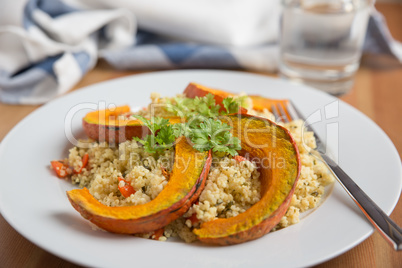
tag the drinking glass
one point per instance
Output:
(321, 42)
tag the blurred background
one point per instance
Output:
(48, 46)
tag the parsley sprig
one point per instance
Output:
(209, 133)
(231, 105)
(205, 106)
(203, 132)
(202, 128)
(162, 134)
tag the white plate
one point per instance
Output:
(34, 202)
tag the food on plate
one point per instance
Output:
(115, 125)
(130, 169)
(261, 139)
(314, 174)
(252, 102)
(194, 90)
(186, 181)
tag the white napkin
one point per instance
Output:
(222, 22)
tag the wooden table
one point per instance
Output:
(377, 93)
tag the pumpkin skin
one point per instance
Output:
(268, 143)
(186, 182)
(105, 125)
(196, 90)
(259, 103)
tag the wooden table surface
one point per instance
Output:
(377, 93)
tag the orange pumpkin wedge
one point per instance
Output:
(275, 152)
(115, 125)
(186, 182)
(259, 103)
(196, 90)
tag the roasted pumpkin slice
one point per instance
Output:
(186, 182)
(259, 103)
(196, 90)
(115, 125)
(276, 154)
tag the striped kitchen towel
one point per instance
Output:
(47, 46)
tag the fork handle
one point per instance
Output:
(387, 228)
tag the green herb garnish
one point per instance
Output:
(205, 106)
(205, 133)
(162, 135)
(231, 105)
(201, 127)
(209, 133)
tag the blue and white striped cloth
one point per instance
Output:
(47, 46)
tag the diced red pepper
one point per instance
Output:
(240, 158)
(158, 233)
(193, 218)
(85, 159)
(60, 168)
(127, 189)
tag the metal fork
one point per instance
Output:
(285, 111)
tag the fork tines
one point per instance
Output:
(284, 111)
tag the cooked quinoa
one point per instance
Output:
(231, 186)
(129, 161)
(314, 176)
(157, 107)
